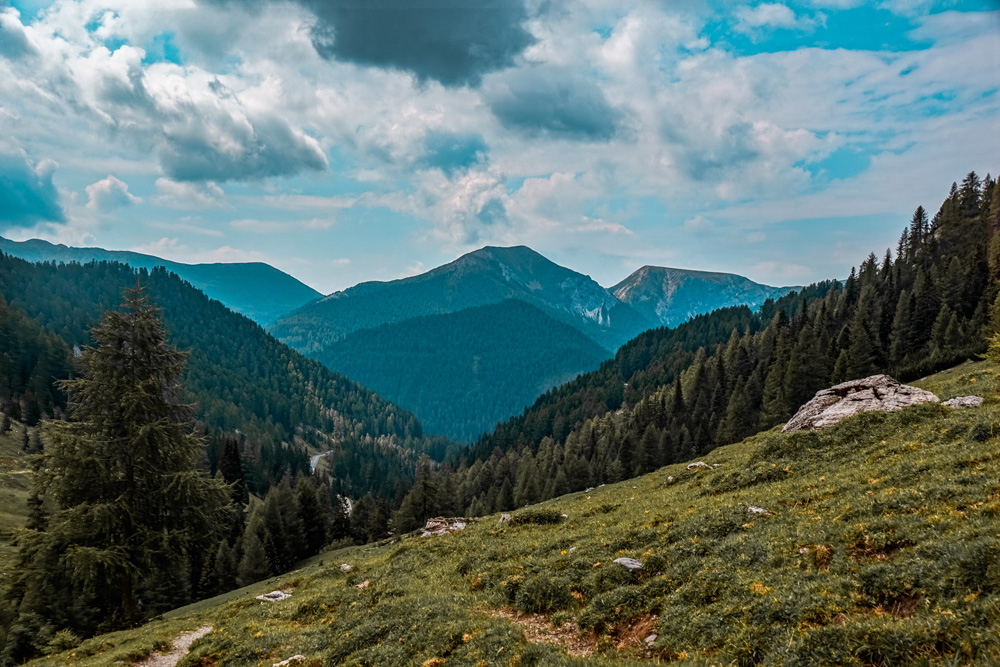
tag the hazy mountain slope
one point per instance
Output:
(461, 373)
(879, 548)
(240, 377)
(486, 276)
(257, 290)
(673, 296)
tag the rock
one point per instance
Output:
(442, 526)
(698, 465)
(670, 480)
(346, 568)
(650, 640)
(274, 596)
(630, 564)
(294, 660)
(875, 393)
(759, 510)
(364, 584)
(504, 518)
(964, 402)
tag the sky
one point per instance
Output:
(351, 140)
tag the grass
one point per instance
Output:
(15, 483)
(881, 548)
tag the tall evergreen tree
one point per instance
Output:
(126, 503)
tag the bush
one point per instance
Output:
(542, 594)
(540, 516)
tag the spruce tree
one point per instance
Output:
(126, 505)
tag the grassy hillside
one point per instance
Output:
(881, 548)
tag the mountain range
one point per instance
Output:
(257, 290)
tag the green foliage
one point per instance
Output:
(543, 594)
(539, 516)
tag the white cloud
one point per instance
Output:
(771, 15)
(109, 193)
(189, 196)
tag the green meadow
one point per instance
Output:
(878, 544)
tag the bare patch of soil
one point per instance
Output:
(538, 630)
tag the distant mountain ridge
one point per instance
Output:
(255, 289)
(482, 277)
(673, 296)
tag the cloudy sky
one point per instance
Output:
(351, 140)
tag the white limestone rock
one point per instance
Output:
(875, 393)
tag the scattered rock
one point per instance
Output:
(364, 584)
(630, 564)
(294, 660)
(698, 465)
(442, 526)
(650, 640)
(346, 568)
(875, 393)
(964, 402)
(504, 518)
(670, 480)
(274, 596)
(759, 510)
(565, 516)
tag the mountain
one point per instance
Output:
(257, 290)
(673, 296)
(463, 372)
(240, 378)
(870, 543)
(486, 276)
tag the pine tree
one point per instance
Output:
(254, 564)
(126, 502)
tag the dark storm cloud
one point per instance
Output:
(452, 152)
(557, 104)
(452, 41)
(26, 196)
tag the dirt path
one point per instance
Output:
(177, 651)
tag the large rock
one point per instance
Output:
(878, 392)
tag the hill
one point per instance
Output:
(257, 290)
(671, 297)
(462, 372)
(486, 276)
(241, 378)
(878, 547)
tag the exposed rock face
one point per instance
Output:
(442, 526)
(964, 402)
(878, 392)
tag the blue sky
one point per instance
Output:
(344, 141)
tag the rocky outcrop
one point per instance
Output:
(443, 525)
(964, 402)
(878, 393)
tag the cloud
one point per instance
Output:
(27, 194)
(751, 20)
(14, 42)
(452, 41)
(274, 226)
(189, 196)
(452, 152)
(699, 224)
(109, 193)
(554, 102)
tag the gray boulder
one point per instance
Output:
(630, 564)
(964, 402)
(878, 393)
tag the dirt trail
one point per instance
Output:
(177, 650)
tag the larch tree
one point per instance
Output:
(125, 503)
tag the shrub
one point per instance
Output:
(540, 516)
(542, 594)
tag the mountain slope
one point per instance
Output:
(486, 276)
(880, 548)
(461, 373)
(673, 296)
(241, 378)
(257, 290)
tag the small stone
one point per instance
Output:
(650, 640)
(964, 402)
(504, 518)
(364, 584)
(759, 510)
(670, 480)
(346, 568)
(698, 465)
(274, 596)
(295, 659)
(630, 564)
